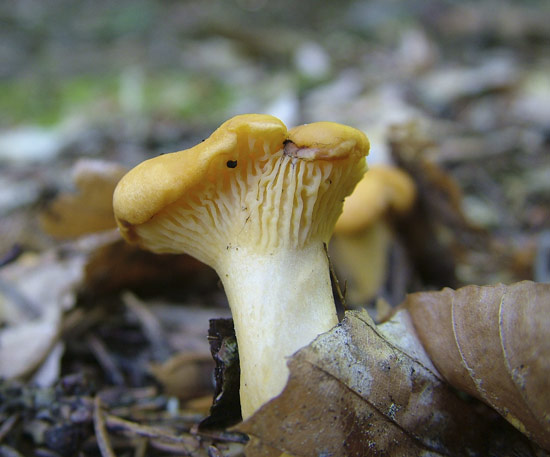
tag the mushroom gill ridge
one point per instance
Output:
(252, 193)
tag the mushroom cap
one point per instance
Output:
(156, 183)
(251, 183)
(384, 189)
(326, 140)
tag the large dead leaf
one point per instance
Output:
(493, 342)
(353, 393)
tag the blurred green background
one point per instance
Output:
(206, 60)
(130, 79)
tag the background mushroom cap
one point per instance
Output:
(383, 189)
(326, 141)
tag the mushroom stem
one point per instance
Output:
(363, 232)
(285, 302)
(362, 259)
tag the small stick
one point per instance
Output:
(13, 253)
(8, 451)
(213, 451)
(140, 449)
(7, 425)
(149, 323)
(105, 360)
(101, 431)
(28, 307)
(123, 425)
(341, 296)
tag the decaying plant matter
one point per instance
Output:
(493, 342)
(380, 396)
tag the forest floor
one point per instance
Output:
(105, 349)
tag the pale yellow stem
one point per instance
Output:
(361, 260)
(280, 302)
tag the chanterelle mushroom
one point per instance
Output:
(257, 203)
(362, 234)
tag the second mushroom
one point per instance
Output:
(363, 234)
(257, 203)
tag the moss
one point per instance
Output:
(47, 102)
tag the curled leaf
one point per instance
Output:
(185, 375)
(352, 392)
(493, 342)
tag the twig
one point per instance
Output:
(119, 424)
(7, 425)
(105, 359)
(172, 448)
(141, 447)
(101, 431)
(213, 451)
(341, 296)
(149, 323)
(8, 451)
(28, 307)
(78, 320)
(13, 253)
(221, 436)
(44, 452)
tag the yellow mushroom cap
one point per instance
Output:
(383, 189)
(251, 183)
(326, 140)
(156, 183)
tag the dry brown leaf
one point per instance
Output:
(225, 410)
(23, 347)
(120, 266)
(185, 375)
(353, 393)
(35, 291)
(90, 209)
(493, 342)
(436, 233)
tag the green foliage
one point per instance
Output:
(174, 95)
